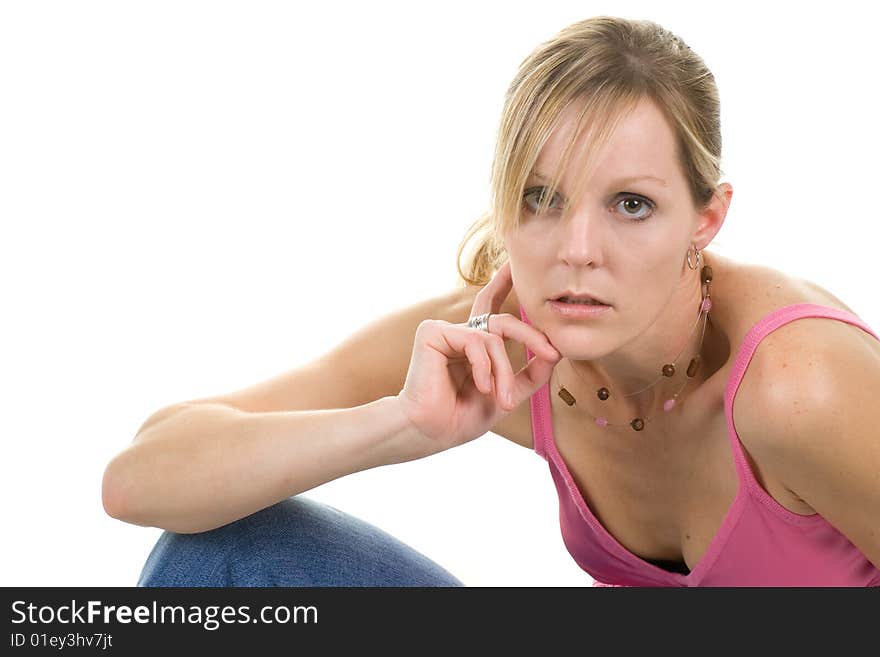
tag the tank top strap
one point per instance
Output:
(539, 405)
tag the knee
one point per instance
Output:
(190, 559)
(214, 557)
(296, 542)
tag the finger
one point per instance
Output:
(530, 378)
(491, 297)
(508, 326)
(490, 365)
(502, 371)
(481, 367)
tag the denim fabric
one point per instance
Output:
(297, 542)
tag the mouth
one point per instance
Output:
(572, 298)
(578, 310)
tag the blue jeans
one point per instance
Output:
(297, 542)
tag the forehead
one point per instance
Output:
(643, 142)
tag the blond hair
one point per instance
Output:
(609, 64)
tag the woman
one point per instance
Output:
(591, 281)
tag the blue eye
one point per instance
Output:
(641, 201)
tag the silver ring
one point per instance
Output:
(480, 322)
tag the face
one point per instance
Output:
(624, 241)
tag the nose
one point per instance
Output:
(581, 237)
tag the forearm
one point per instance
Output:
(208, 465)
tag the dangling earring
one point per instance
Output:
(698, 257)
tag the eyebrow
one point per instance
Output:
(617, 183)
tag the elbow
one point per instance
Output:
(114, 495)
(122, 501)
(116, 486)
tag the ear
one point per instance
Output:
(712, 217)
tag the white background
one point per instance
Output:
(196, 196)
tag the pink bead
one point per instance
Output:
(601, 421)
(707, 304)
(668, 404)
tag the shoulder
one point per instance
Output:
(746, 294)
(808, 362)
(800, 374)
(800, 346)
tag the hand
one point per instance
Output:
(460, 382)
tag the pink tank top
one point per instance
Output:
(760, 542)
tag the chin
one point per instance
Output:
(576, 349)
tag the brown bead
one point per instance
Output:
(692, 368)
(603, 394)
(706, 274)
(566, 396)
(638, 424)
(668, 369)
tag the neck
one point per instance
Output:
(674, 336)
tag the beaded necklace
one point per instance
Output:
(667, 370)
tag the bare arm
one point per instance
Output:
(206, 465)
(203, 463)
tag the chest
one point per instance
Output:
(665, 500)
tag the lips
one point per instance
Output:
(580, 302)
(578, 311)
(580, 296)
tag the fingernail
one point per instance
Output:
(508, 397)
